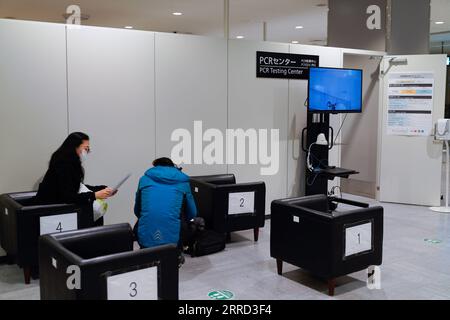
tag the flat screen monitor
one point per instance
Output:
(332, 90)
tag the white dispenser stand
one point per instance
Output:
(443, 133)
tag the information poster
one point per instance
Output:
(410, 104)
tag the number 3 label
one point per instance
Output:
(241, 203)
(135, 285)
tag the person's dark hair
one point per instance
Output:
(66, 153)
(163, 162)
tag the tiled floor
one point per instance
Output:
(412, 268)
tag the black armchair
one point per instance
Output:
(304, 233)
(22, 222)
(101, 254)
(227, 206)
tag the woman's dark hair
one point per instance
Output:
(163, 162)
(66, 153)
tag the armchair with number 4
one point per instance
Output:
(22, 222)
(305, 233)
(100, 264)
(228, 206)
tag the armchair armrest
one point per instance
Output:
(218, 179)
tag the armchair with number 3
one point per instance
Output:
(100, 264)
(228, 206)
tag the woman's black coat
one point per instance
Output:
(61, 184)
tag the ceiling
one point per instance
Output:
(204, 17)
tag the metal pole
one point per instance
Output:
(447, 173)
(226, 18)
(264, 31)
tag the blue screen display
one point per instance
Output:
(335, 90)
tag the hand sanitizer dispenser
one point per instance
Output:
(442, 131)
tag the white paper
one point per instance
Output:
(121, 182)
(358, 239)
(135, 285)
(58, 223)
(24, 195)
(243, 202)
(410, 104)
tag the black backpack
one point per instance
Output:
(199, 241)
(206, 242)
(196, 239)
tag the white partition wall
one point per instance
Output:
(33, 95)
(412, 175)
(191, 85)
(256, 103)
(29, 53)
(298, 94)
(130, 90)
(111, 98)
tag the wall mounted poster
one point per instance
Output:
(410, 104)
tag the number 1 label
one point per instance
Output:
(358, 239)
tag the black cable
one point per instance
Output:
(314, 179)
(342, 124)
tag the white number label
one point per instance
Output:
(241, 203)
(59, 223)
(358, 239)
(135, 285)
(6, 211)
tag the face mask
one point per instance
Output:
(83, 155)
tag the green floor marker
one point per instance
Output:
(221, 295)
(433, 241)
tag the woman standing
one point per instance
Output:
(65, 176)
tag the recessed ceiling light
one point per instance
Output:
(439, 22)
(298, 27)
(128, 27)
(240, 37)
(295, 41)
(177, 13)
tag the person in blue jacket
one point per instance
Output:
(159, 200)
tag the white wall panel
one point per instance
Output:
(111, 98)
(256, 103)
(410, 168)
(33, 101)
(191, 85)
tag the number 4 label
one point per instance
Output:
(58, 223)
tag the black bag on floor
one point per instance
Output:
(206, 242)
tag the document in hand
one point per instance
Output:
(121, 182)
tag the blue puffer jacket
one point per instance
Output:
(158, 205)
